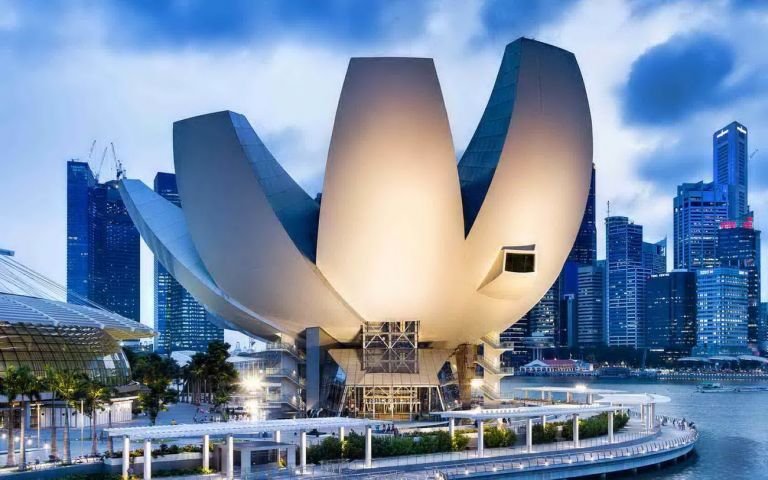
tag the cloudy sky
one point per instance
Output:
(661, 77)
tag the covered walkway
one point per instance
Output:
(228, 430)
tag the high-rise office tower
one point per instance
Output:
(738, 246)
(102, 244)
(181, 322)
(730, 169)
(626, 283)
(655, 257)
(115, 268)
(699, 208)
(722, 311)
(584, 250)
(762, 328)
(80, 181)
(671, 312)
(591, 305)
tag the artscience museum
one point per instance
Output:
(410, 260)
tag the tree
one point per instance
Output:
(66, 384)
(194, 373)
(156, 374)
(222, 375)
(95, 396)
(22, 383)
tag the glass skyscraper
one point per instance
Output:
(655, 257)
(738, 246)
(591, 305)
(181, 322)
(626, 283)
(699, 209)
(730, 169)
(722, 311)
(80, 181)
(102, 244)
(584, 251)
(671, 312)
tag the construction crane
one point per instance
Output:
(119, 170)
(753, 153)
(101, 164)
(90, 152)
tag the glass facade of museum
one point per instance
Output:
(83, 349)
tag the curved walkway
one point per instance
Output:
(630, 450)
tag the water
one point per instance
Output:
(733, 427)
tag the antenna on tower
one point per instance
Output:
(608, 212)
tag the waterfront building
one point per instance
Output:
(655, 257)
(722, 311)
(434, 254)
(626, 283)
(38, 329)
(699, 209)
(591, 305)
(102, 244)
(738, 246)
(180, 321)
(762, 328)
(671, 313)
(730, 167)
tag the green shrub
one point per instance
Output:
(544, 434)
(353, 446)
(499, 437)
(595, 426)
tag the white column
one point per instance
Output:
(543, 421)
(147, 459)
(206, 451)
(651, 414)
(126, 456)
(368, 447)
(576, 430)
(589, 399)
(480, 446)
(303, 451)
(230, 457)
(451, 427)
(529, 436)
(278, 436)
(342, 436)
(610, 426)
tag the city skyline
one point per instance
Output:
(644, 147)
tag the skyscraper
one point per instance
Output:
(102, 244)
(181, 322)
(671, 312)
(655, 257)
(626, 283)
(699, 208)
(730, 169)
(738, 246)
(584, 250)
(114, 260)
(80, 180)
(591, 305)
(721, 311)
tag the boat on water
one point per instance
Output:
(713, 387)
(751, 388)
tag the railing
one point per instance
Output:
(498, 344)
(286, 347)
(284, 372)
(494, 369)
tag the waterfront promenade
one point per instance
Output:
(635, 448)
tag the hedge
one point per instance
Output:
(353, 447)
(495, 437)
(595, 426)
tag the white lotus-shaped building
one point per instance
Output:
(402, 232)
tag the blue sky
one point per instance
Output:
(661, 77)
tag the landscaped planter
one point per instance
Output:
(165, 462)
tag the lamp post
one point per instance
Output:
(82, 428)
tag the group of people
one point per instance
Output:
(679, 424)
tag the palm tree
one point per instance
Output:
(46, 383)
(66, 384)
(95, 396)
(8, 390)
(19, 382)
